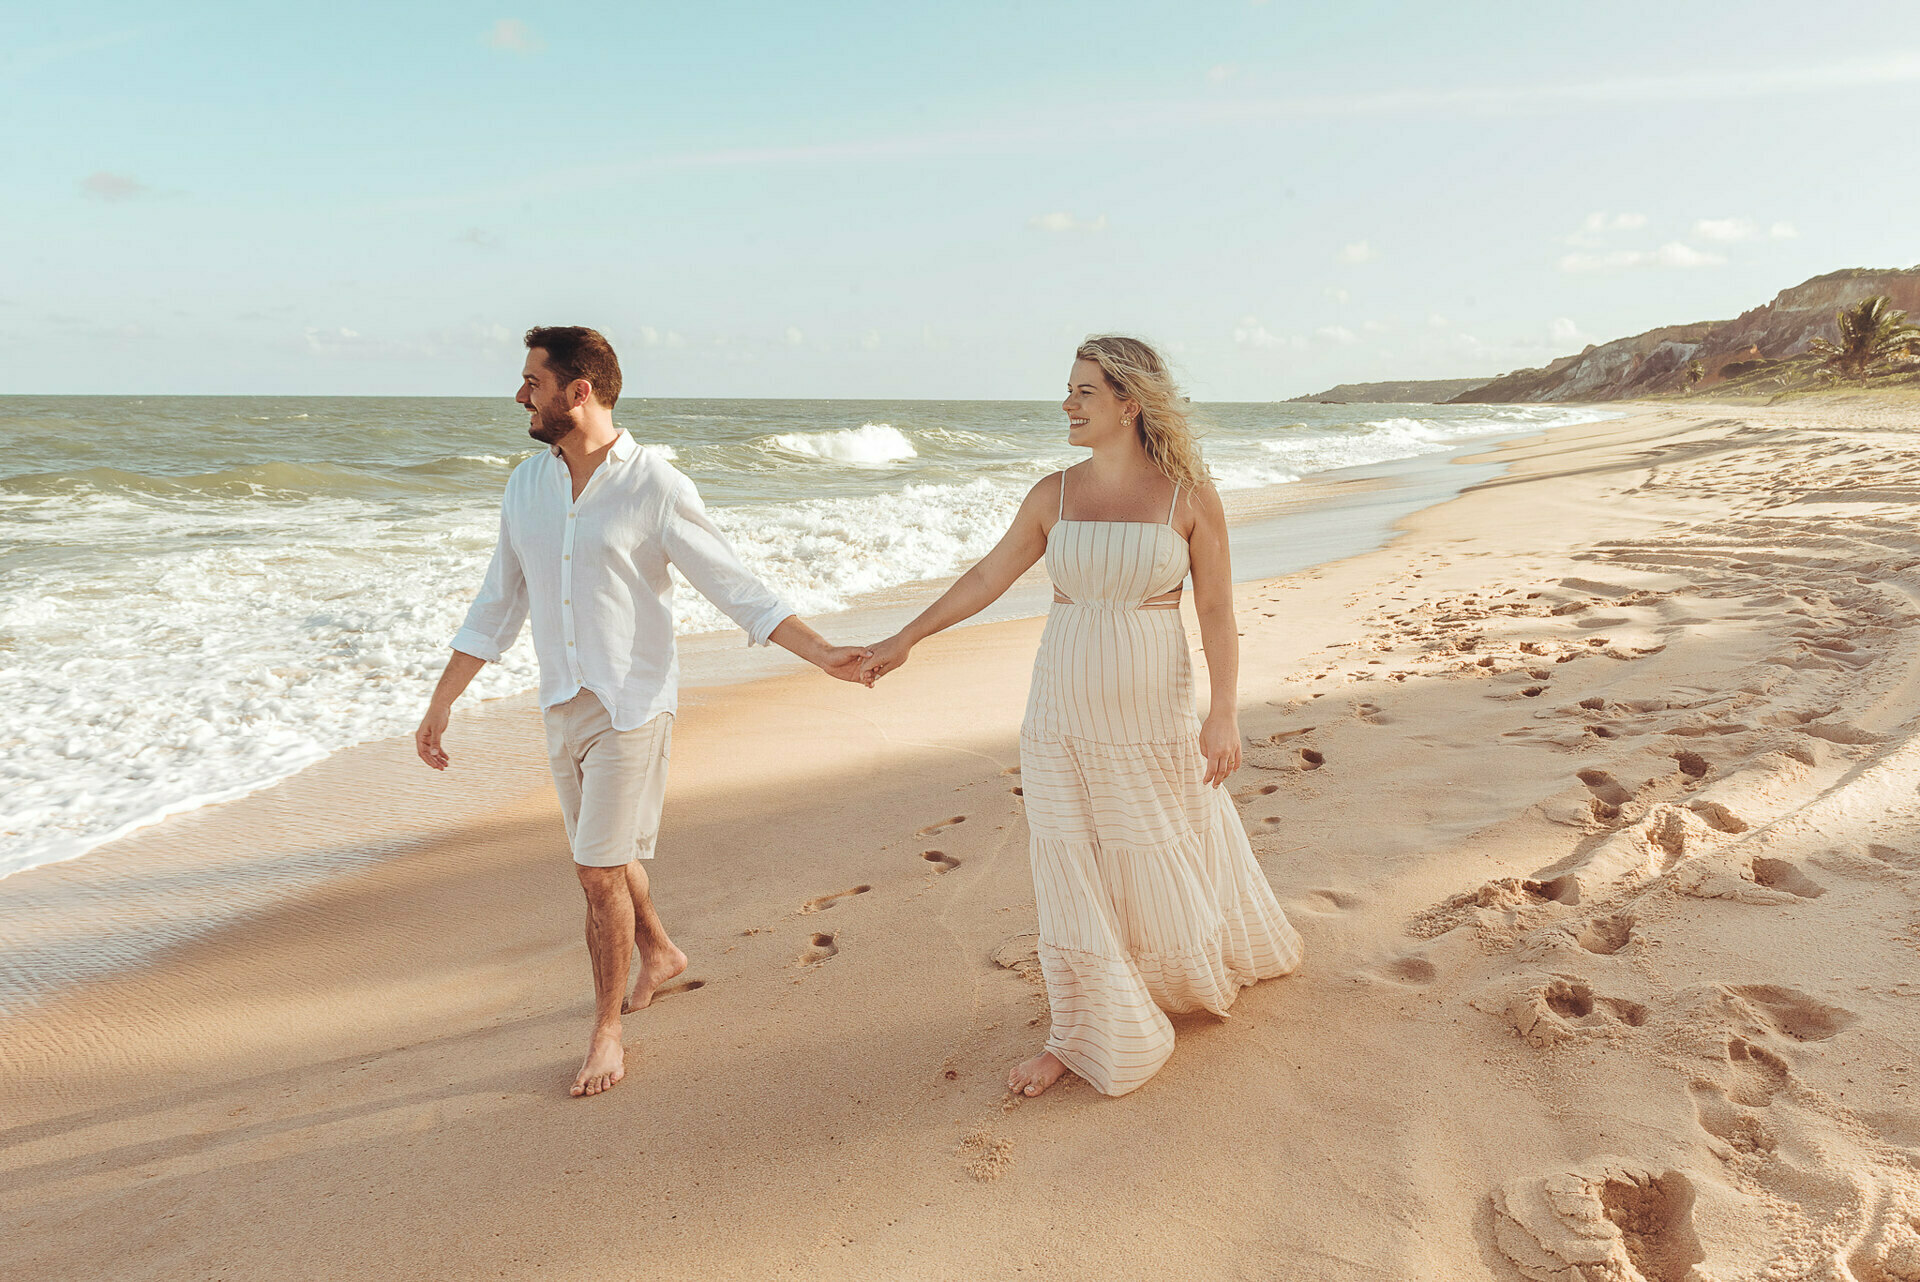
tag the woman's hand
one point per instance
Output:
(885, 657)
(1220, 741)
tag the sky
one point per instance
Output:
(922, 200)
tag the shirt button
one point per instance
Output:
(569, 643)
(567, 557)
(568, 601)
(571, 515)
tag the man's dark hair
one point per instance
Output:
(574, 351)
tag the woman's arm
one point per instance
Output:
(1024, 543)
(1219, 637)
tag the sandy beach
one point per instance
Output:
(1593, 794)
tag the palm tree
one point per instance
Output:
(1872, 333)
(1695, 372)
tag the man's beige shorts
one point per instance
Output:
(612, 783)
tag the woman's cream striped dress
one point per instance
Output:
(1149, 896)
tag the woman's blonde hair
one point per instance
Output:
(1136, 372)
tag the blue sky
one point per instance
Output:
(865, 200)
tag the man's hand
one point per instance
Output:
(843, 661)
(426, 739)
(884, 658)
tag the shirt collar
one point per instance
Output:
(624, 446)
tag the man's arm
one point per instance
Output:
(696, 545)
(460, 671)
(491, 624)
(842, 661)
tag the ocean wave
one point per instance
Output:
(869, 445)
(234, 651)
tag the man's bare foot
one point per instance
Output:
(606, 1063)
(655, 970)
(1034, 1076)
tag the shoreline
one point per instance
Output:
(1591, 794)
(1270, 519)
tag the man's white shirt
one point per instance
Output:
(591, 574)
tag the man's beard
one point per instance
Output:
(549, 429)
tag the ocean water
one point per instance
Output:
(202, 595)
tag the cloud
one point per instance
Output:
(793, 336)
(1598, 222)
(512, 36)
(1729, 230)
(652, 337)
(1251, 333)
(1564, 333)
(1673, 254)
(870, 341)
(1358, 252)
(102, 185)
(1436, 321)
(1337, 295)
(1065, 222)
(1221, 72)
(1335, 334)
(339, 341)
(1593, 232)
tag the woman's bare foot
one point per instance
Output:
(655, 970)
(1034, 1076)
(606, 1063)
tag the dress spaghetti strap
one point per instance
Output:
(1172, 507)
(1061, 514)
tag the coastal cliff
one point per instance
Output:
(1744, 353)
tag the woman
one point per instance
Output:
(1149, 897)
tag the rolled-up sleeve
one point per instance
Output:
(497, 612)
(695, 545)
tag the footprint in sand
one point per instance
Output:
(1801, 1016)
(1894, 857)
(1263, 790)
(1778, 874)
(1718, 817)
(1608, 794)
(940, 859)
(1755, 1073)
(819, 949)
(1607, 1218)
(1606, 935)
(1558, 1009)
(1409, 968)
(942, 826)
(1330, 901)
(1728, 1122)
(1692, 764)
(1311, 760)
(821, 903)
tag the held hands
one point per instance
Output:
(884, 658)
(1220, 742)
(844, 662)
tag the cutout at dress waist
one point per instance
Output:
(1165, 601)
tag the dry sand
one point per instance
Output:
(1594, 795)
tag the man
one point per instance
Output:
(587, 530)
